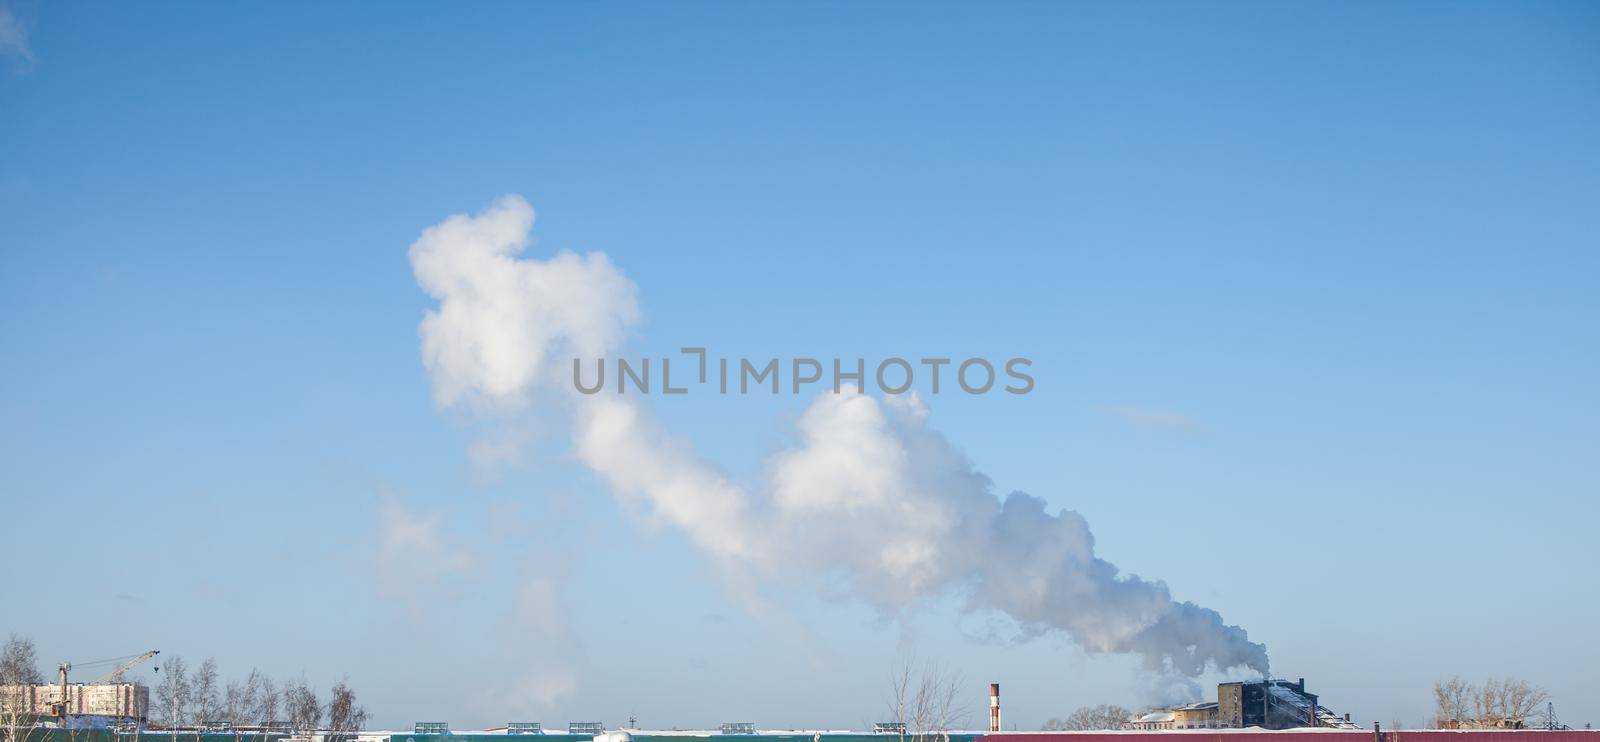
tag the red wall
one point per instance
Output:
(1326, 735)
(1520, 735)
(1208, 735)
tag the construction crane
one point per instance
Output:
(128, 662)
(129, 665)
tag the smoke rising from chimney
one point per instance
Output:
(870, 495)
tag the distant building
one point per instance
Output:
(1201, 715)
(1154, 721)
(110, 700)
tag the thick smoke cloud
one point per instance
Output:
(500, 319)
(870, 497)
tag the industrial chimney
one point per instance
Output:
(994, 707)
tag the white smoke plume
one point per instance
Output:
(499, 318)
(871, 496)
(415, 557)
(14, 39)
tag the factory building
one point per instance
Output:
(1274, 704)
(1268, 704)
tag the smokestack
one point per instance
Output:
(994, 707)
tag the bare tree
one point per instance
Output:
(269, 701)
(302, 706)
(344, 716)
(174, 696)
(206, 705)
(1497, 704)
(1104, 716)
(19, 672)
(1486, 704)
(240, 701)
(1450, 703)
(249, 698)
(1507, 703)
(926, 702)
(232, 703)
(1522, 699)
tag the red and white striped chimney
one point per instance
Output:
(994, 707)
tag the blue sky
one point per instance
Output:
(1345, 251)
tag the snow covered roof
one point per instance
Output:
(1289, 695)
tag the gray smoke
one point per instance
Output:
(870, 496)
